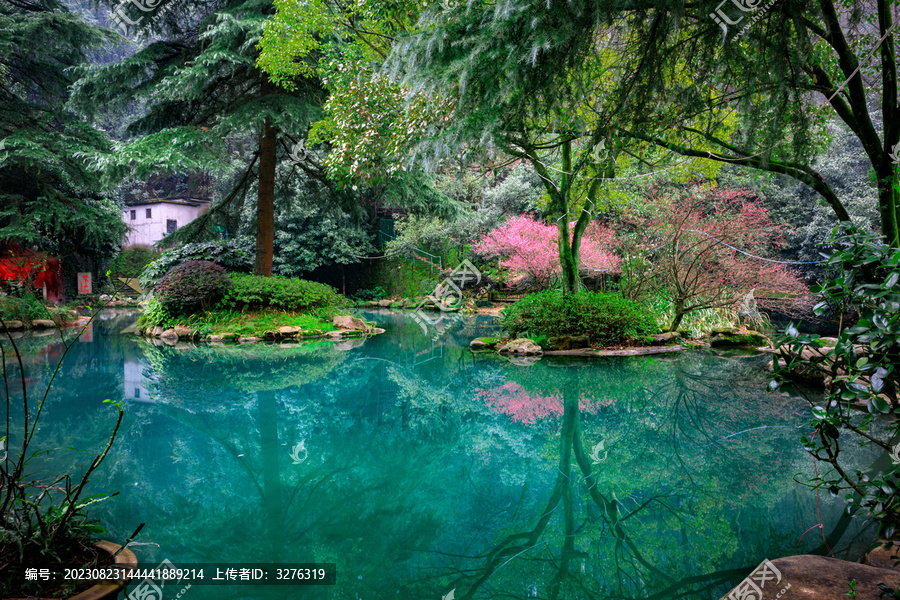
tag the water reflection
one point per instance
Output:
(425, 469)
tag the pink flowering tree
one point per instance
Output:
(526, 407)
(525, 245)
(713, 246)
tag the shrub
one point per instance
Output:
(604, 317)
(283, 293)
(234, 255)
(365, 295)
(29, 307)
(192, 285)
(132, 262)
(156, 314)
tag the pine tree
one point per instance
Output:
(48, 197)
(203, 100)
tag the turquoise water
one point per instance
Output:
(420, 468)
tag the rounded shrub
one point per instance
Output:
(604, 317)
(252, 292)
(192, 285)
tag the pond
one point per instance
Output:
(423, 470)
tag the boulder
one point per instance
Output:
(214, 338)
(131, 329)
(311, 333)
(667, 337)
(334, 335)
(376, 330)
(350, 344)
(523, 361)
(520, 346)
(248, 340)
(42, 323)
(738, 337)
(820, 578)
(570, 342)
(384, 303)
(483, 343)
(14, 325)
(288, 330)
(157, 331)
(348, 322)
(168, 334)
(185, 333)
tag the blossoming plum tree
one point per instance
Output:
(709, 246)
(525, 245)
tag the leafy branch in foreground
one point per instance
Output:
(42, 521)
(860, 371)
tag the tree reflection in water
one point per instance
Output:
(431, 469)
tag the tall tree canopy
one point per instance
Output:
(205, 101)
(48, 197)
(685, 81)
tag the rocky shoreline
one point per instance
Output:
(347, 327)
(661, 343)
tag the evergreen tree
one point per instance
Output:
(741, 83)
(204, 102)
(48, 197)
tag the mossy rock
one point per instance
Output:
(484, 343)
(308, 333)
(570, 342)
(738, 338)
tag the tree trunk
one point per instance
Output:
(888, 207)
(567, 259)
(679, 315)
(265, 203)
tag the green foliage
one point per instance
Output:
(310, 233)
(251, 292)
(364, 295)
(131, 263)
(233, 255)
(155, 314)
(28, 307)
(863, 372)
(604, 317)
(192, 285)
(49, 198)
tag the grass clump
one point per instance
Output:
(606, 318)
(29, 307)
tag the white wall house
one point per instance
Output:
(150, 221)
